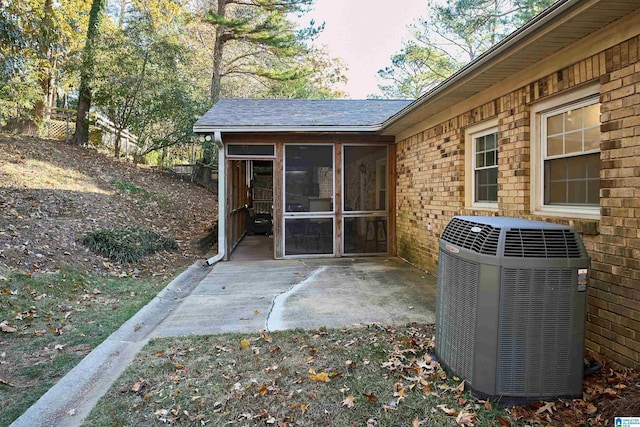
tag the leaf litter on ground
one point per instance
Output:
(319, 378)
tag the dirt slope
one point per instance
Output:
(52, 194)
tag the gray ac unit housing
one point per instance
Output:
(511, 307)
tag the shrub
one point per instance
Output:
(128, 244)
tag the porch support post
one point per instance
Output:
(222, 201)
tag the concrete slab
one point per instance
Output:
(234, 297)
(352, 292)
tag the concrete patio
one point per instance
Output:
(245, 296)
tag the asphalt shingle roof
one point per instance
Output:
(299, 113)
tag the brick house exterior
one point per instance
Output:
(544, 126)
(433, 179)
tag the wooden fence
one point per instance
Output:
(61, 124)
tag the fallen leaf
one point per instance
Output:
(5, 382)
(256, 312)
(266, 336)
(371, 398)
(591, 409)
(549, 407)
(71, 412)
(447, 410)
(245, 344)
(349, 401)
(6, 328)
(466, 418)
(321, 377)
(504, 422)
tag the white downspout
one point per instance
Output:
(222, 201)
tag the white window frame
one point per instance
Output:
(470, 135)
(583, 96)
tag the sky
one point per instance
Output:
(365, 34)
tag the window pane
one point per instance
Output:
(593, 192)
(308, 236)
(492, 193)
(481, 193)
(480, 144)
(251, 150)
(554, 124)
(577, 192)
(364, 177)
(593, 165)
(481, 177)
(365, 234)
(592, 139)
(573, 120)
(493, 176)
(592, 115)
(556, 169)
(486, 185)
(490, 141)
(554, 146)
(573, 142)
(557, 193)
(480, 160)
(492, 158)
(308, 178)
(576, 167)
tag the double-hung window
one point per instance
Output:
(568, 166)
(485, 169)
(571, 138)
(481, 144)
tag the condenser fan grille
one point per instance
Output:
(541, 243)
(480, 238)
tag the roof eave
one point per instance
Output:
(275, 129)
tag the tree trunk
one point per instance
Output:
(218, 48)
(47, 57)
(81, 136)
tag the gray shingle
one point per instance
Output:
(299, 113)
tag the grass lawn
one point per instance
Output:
(50, 322)
(361, 377)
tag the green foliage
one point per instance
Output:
(127, 245)
(256, 41)
(142, 80)
(448, 37)
(38, 40)
(414, 70)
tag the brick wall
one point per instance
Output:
(431, 176)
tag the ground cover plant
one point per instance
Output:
(127, 244)
(374, 376)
